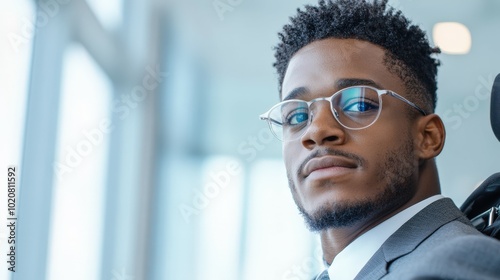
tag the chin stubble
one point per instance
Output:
(397, 173)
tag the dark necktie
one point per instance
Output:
(323, 276)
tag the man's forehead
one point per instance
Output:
(337, 63)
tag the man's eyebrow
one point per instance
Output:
(301, 92)
(344, 83)
(296, 93)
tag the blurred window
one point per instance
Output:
(76, 229)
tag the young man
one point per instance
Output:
(358, 90)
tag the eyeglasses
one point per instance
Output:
(354, 108)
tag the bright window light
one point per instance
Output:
(452, 37)
(108, 12)
(15, 55)
(221, 219)
(279, 246)
(75, 242)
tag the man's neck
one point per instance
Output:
(334, 240)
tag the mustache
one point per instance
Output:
(331, 152)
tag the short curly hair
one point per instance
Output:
(408, 53)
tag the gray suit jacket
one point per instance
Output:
(437, 243)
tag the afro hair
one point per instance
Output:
(407, 50)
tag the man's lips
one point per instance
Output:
(327, 161)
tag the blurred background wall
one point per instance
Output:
(133, 127)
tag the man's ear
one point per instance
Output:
(431, 136)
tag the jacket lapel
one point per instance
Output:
(410, 235)
(376, 267)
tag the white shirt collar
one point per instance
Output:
(349, 262)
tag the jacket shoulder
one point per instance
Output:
(455, 251)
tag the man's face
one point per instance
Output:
(338, 176)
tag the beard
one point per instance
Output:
(397, 172)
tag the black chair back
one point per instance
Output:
(482, 207)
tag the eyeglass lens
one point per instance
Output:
(355, 107)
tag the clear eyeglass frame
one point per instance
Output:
(380, 92)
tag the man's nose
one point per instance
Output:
(323, 128)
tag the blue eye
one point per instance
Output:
(297, 117)
(360, 106)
